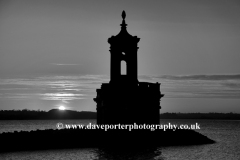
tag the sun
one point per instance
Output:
(61, 108)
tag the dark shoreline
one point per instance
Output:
(85, 138)
(56, 114)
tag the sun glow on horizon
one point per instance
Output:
(61, 108)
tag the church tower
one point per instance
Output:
(125, 100)
(123, 49)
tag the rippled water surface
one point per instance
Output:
(226, 133)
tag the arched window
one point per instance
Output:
(123, 68)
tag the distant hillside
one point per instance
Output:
(69, 114)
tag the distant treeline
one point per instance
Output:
(69, 114)
(223, 116)
(51, 114)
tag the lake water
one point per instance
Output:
(226, 133)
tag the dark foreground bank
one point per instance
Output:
(83, 138)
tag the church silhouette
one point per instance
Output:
(125, 100)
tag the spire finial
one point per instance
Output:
(123, 21)
(123, 15)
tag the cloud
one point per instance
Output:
(201, 77)
(59, 88)
(17, 96)
(234, 85)
(197, 86)
(69, 88)
(62, 96)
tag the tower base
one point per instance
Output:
(128, 103)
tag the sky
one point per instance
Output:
(55, 52)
